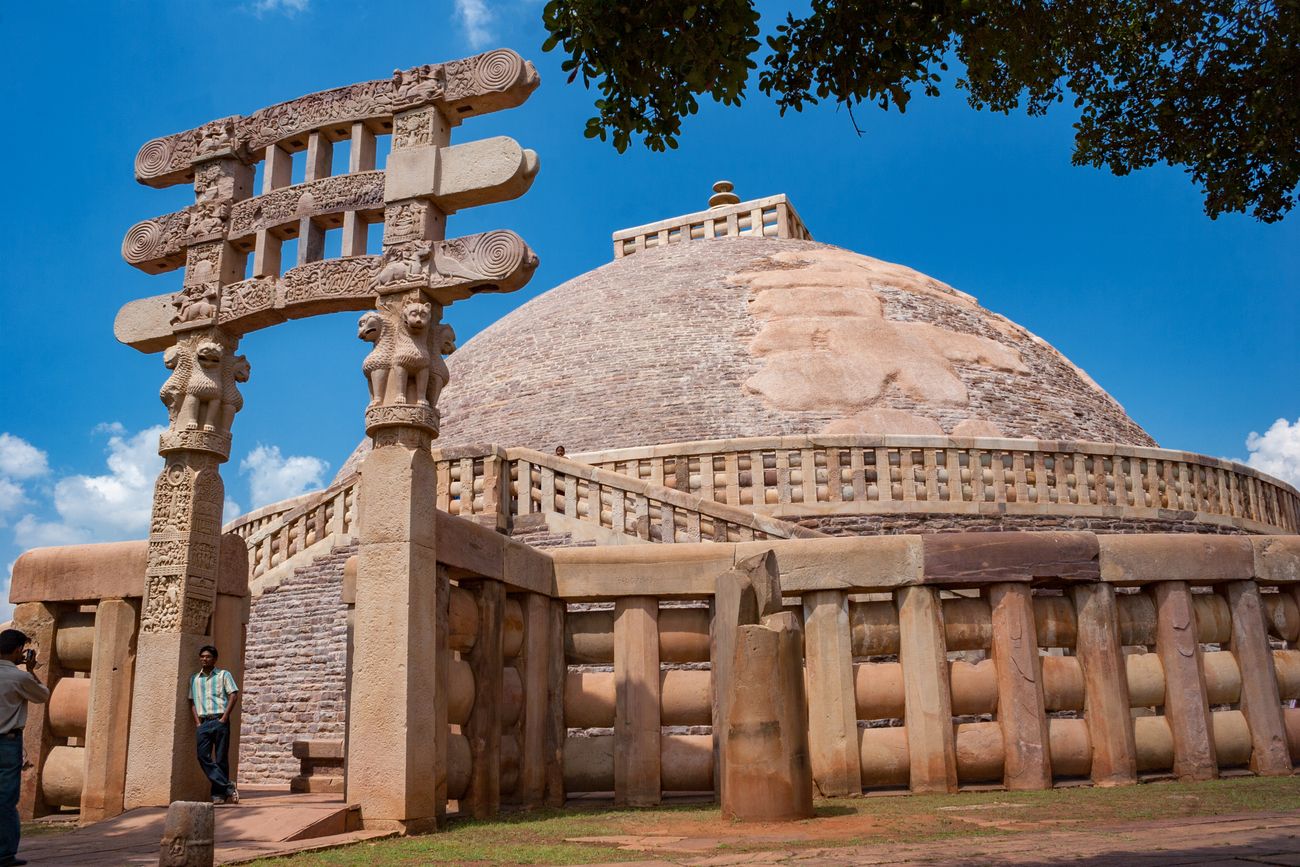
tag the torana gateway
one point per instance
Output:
(820, 522)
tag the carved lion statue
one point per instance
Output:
(201, 405)
(373, 328)
(444, 341)
(411, 356)
(180, 363)
(231, 400)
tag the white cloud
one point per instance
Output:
(287, 7)
(272, 477)
(20, 459)
(101, 508)
(476, 20)
(11, 497)
(1277, 451)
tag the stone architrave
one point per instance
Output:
(397, 736)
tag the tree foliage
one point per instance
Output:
(1209, 85)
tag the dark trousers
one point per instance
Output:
(214, 743)
(11, 773)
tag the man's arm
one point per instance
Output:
(32, 689)
(231, 701)
(232, 697)
(194, 711)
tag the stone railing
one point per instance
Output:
(640, 491)
(277, 533)
(771, 217)
(829, 475)
(633, 507)
(1149, 655)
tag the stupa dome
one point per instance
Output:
(757, 336)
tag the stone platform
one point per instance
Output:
(266, 823)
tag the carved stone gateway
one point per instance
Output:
(229, 245)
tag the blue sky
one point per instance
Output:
(1191, 324)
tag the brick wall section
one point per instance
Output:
(655, 348)
(295, 667)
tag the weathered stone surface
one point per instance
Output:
(701, 309)
(188, 835)
(767, 774)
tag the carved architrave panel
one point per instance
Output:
(359, 191)
(488, 82)
(158, 245)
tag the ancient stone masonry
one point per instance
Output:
(224, 294)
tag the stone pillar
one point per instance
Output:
(556, 673)
(1021, 713)
(927, 698)
(108, 713)
(229, 625)
(180, 594)
(768, 773)
(1187, 708)
(483, 729)
(37, 621)
(202, 398)
(397, 715)
(397, 712)
(1105, 686)
(636, 701)
(1269, 755)
(833, 715)
(536, 676)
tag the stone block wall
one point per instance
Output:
(892, 525)
(295, 669)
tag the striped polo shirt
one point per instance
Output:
(210, 693)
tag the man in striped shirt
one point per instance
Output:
(213, 696)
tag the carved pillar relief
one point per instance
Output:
(202, 398)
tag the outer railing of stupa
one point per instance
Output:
(962, 476)
(1151, 655)
(619, 504)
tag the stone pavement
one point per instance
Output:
(266, 822)
(1243, 839)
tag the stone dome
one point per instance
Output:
(740, 336)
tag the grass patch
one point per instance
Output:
(540, 837)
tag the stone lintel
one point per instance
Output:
(451, 270)
(980, 558)
(1195, 559)
(488, 82)
(109, 570)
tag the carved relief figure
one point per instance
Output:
(404, 265)
(411, 357)
(444, 342)
(417, 84)
(231, 400)
(180, 363)
(201, 405)
(373, 328)
(195, 304)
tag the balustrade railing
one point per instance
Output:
(668, 493)
(797, 476)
